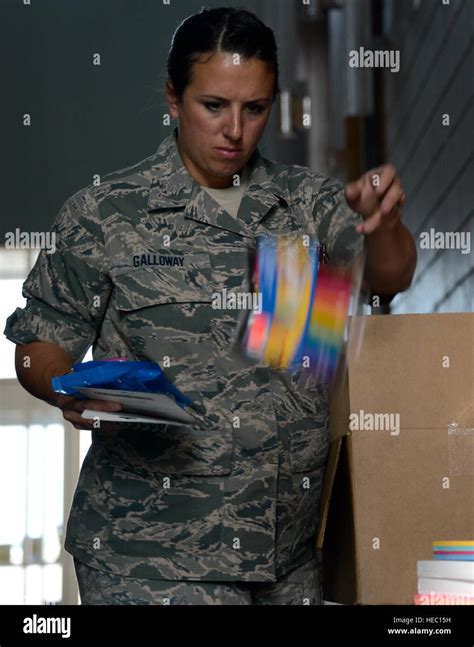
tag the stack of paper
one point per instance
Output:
(154, 408)
(449, 577)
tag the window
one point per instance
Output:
(31, 483)
(40, 457)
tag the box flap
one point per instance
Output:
(339, 566)
(419, 366)
(339, 402)
(328, 482)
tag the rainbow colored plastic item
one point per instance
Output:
(304, 309)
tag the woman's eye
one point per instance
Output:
(216, 107)
(213, 107)
(256, 110)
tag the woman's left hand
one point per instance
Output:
(378, 197)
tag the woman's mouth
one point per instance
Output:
(229, 153)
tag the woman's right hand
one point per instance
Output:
(45, 361)
(72, 409)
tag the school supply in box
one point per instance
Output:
(449, 577)
(454, 550)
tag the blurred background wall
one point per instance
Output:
(434, 159)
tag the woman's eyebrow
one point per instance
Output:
(209, 96)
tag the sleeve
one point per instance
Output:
(336, 223)
(67, 290)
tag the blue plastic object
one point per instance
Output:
(146, 377)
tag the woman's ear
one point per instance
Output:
(172, 99)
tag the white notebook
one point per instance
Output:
(438, 585)
(450, 570)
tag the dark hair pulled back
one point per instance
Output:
(224, 29)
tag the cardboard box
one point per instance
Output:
(387, 496)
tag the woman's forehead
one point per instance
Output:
(226, 72)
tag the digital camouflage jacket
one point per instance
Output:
(137, 260)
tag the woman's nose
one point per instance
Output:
(234, 126)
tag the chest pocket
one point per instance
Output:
(164, 314)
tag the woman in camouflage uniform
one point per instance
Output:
(223, 511)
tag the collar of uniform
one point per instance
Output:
(172, 187)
